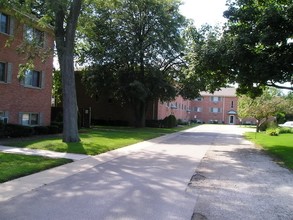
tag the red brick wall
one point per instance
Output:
(14, 97)
(178, 107)
(206, 116)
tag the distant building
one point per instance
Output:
(27, 101)
(219, 107)
(180, 108)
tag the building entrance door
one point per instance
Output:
(231, 120)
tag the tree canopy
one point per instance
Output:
(267, 105)
(135, 49)
(255, 48)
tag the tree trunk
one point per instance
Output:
(70, 109)
(140, 114)
(66, 17)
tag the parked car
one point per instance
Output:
(287, 124)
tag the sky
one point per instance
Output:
(204, 11)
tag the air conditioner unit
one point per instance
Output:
(4, 120)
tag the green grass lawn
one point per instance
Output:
(97, 140)
(280, 147)
(13, 166)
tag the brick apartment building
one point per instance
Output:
(180, 108)
(26, 101)
(219, 107)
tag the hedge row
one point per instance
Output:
(13, 130)
(168, 122)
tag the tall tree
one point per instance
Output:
(135, 48)
(260, 35)
(202, 73)
(65, 18)
(63, 15)
(255, 48)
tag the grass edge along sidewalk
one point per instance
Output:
(93, 141)
(279, 147)
(14, 166)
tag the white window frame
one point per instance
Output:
(3, 71)
(9, 29)
(215, 110)
(199, 99)
(33, 35)
(3, 117)
(216, 98)
(6, 31)
(29, 80)
(197, 109)
(29, 120)
(7, 76)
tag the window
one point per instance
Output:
(4, 23)
(197, 109)
(2, 72)
(33, 35)
(232, 104)
(199, 99)
(29, 118)
(215, 110)
(215, 99)
(3, 117)
(5, 72)
(32, 78)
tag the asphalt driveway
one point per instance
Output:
(208, 172)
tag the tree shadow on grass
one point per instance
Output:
(76, 148)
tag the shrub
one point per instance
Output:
(285, 130)
(59, 125)
(272, 132)
(2, 129)
(40, 130)
(181, 122)
(13, 130)
(268, 125)
(154, 123)
(53, 129)
(170, 121)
